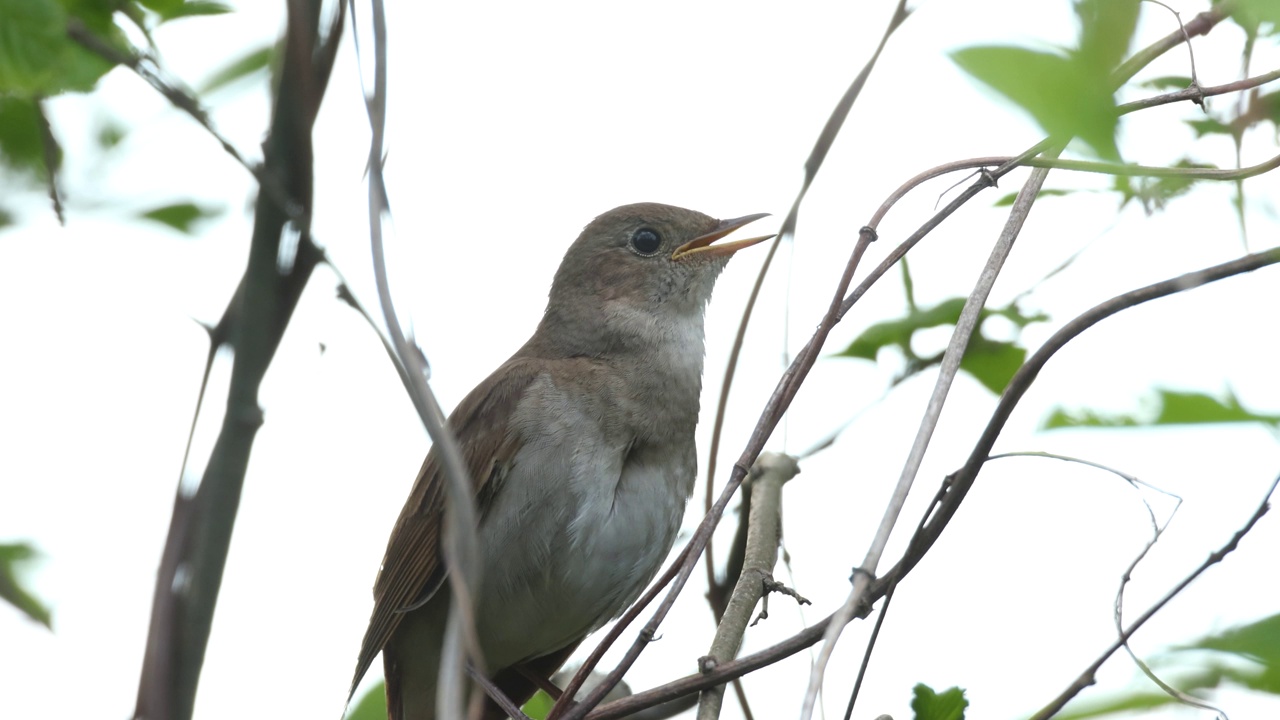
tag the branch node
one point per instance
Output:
(707, 663)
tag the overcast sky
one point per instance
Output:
(511, 127)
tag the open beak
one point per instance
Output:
(701, 246)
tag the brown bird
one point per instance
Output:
(582, 450)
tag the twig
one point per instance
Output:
(187, 103)
(1086, 678)
(49, 144)
(814, 162)
(460, 545)
(768, 475)
(952, 491)
(965, 325)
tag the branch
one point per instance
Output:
(949, 496)
(252, 326)
(460, 544)
(965, 325)
(1086, 678)
(768, 475)
(787, 232)
(184, 101)
(958, 483)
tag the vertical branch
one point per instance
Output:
(252, 326)
(965, 326)
(768, 475)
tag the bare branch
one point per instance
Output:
(768, 475)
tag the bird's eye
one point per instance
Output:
(645, 242)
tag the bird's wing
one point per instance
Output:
(411, 569)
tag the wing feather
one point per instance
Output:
(411, 568)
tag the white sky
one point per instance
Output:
(511, 127)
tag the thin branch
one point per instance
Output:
(1194, 92)
(1087, 678)
(1191, 53)
(49, 145)
(814, 162)
(949, 495)
(958, 483)
(460, 546)
(768, 475)
(187, 103)
(964, 328)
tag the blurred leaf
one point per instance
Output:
(992, 362)
(539, 706)
(1210, 126)
(371, 706)
(6, 218)
(929, 705)
(12, 591)
(37, 58)
(1169, 408)
(248, 64)
(110, 134)
(192, 8)
(1168, 82)
(1258, 641)
(1125, 702)
(898, 332)
(181, 216)
(1061, 93)
(21, 139)
(1155, 192)
(1007, 200)
(1253, 15)
(1069, 94)
(160, 6)
(1106, 31)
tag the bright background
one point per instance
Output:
(511, 126)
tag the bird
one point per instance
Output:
(581, 449)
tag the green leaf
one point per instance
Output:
(1125, 702)
(1106, 31)
(252, 62)
(193, 8)
(539, 706)
(926, 704)
(21, 138)
(12, 591)
(181, 216)
(992, 362)
(38, 58)
(1065, 95)
(1258, 641)
(1155, 193)
(899, 332)
(1257, 16)
(6, 218)
(160, 6)
(1210, 126)
(1168, 82)
(1007, 200)
(1168, 408)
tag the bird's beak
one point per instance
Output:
(701, 246)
